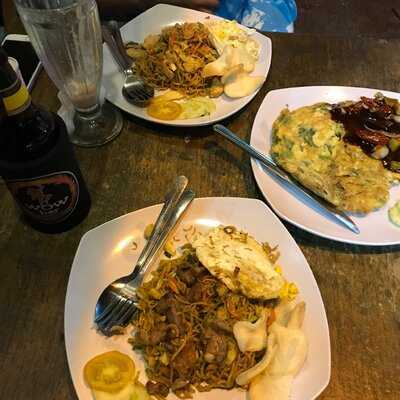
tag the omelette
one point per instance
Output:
(309, 144)
(239, 261)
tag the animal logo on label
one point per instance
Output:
(46, 199)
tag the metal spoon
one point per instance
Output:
(134, 89)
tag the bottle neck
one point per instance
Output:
(13, 91)
(16, 98)
(31, 132)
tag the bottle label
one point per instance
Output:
(16, 100)
(46, 199)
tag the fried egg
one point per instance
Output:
(230, 33)
(239, 261)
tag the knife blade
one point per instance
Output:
(331, 209)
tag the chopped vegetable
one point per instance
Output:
(169, 249)
(148, 231)
(380, 152)
(394, 144)
(307, 134)
(133, 391)
(289, 291)
(231, 354)
(196, 108)
(155, 294)
(394, 165)
(140, 392)
(164, 358)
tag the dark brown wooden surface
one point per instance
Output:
(349, 17)
(360, 286)
(344, 18)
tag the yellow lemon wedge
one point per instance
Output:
(109, 372)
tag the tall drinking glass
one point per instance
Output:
(66, 35)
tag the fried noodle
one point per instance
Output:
(184, 327)
(175, 59)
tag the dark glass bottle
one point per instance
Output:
(3, 115)
(37, 161)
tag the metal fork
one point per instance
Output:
(134, 89)
(118, 302)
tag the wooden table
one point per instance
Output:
(359, 285)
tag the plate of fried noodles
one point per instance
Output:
(181, 340)
(170, 48)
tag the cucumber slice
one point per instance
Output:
(394, 214)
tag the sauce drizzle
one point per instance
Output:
(370, 124)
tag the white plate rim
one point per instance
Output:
(318, 297)
(344, 235)
(118, 101)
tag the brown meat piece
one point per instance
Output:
(173, 331)
(187, 275)
(157, 389)
(216, 347)
(165, 304)
(173, 317)
(162, 306)
(169, 307)
(185, 361)
(222, 326)
(200, 292)
(196, 292)
(179, 384)
(199, 270)
(152, 338)
(376, 138)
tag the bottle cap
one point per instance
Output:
(15, 65)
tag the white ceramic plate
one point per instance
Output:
(289, 204)
(151, 22)
(105, 254)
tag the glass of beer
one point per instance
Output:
(66, 35)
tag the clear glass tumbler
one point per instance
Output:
(66, 35)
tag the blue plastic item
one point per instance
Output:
(265, 15)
